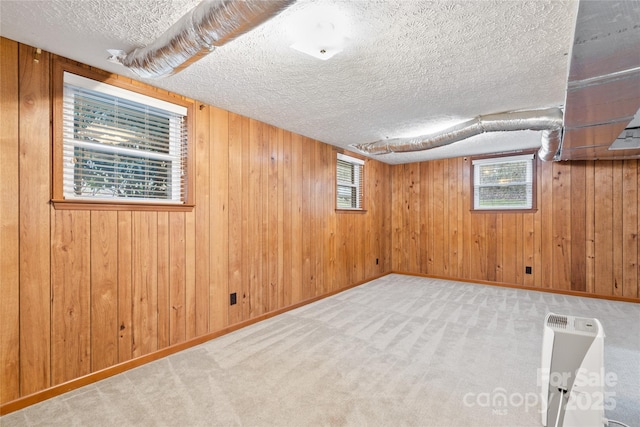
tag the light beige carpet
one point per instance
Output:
(397, 351)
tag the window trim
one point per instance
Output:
(57, 199)
(497, 157)
(357, 161)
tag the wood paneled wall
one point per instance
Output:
(583, 237)
(84, 290)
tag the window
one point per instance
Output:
(119, 146)
(350, 182)
(503, 183)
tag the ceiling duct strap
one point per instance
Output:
(548, 120)
(211, 24)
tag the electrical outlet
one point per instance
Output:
(233, 299)
(527, 270)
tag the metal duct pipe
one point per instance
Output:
(551, 142)
(210, 24)
(548, 120)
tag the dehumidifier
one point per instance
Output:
(572, 372)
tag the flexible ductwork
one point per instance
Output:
(549, 121)
(211, 24)
(551, 143)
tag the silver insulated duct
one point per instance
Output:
(548, 120)
(211, 24)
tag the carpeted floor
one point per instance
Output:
(397, 351)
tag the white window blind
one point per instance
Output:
(350, 182)
(503, 183)
(119, 145)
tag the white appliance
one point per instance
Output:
(572, 374)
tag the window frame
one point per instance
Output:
(58, 200)
(499, 158)
(361, 187)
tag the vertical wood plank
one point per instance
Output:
(263, 188)
(197, 321)
(590, 227)
(617, 228)
(411, 225)
(478, 264)
(386, 226)
(286, 220)
(372, 192)
(104, 289)
(236, 216)
(125, 286)
(312, 199)
(604, 228)
(529, 256)
(296, 219)
(490, 251)
(71, 296)
(9, 223)
(330, 254)
(467, 239)
(320, 193)
(501, 236)
(428, 207)
(307, 240)
(280, 221)
(35, 192)
(437, 229)
(446, 215)
(195, 311)
(220, 172)
(254, 235)
(204, 141)
(248, 218)
(520, 252)
(272, 227)
(163, 280)
(630, 227)
(546, 206)
(537, 226)
(561, 226)
(405, 225)
(396, 218)
(144, 319)
(453, 178)
(637, 234)
(177, 279)
(411, 209)
(509, 247)
(578, 226)
(463, 209)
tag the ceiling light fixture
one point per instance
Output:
(319, 32)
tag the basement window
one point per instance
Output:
(350, 183)
(504, 183)
(121, 148)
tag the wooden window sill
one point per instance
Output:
(120, 206)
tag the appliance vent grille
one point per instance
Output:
(558, 321)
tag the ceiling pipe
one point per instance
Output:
(551, 144)
(548, 120)
(211, 24)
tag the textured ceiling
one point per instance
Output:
(408, 67)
